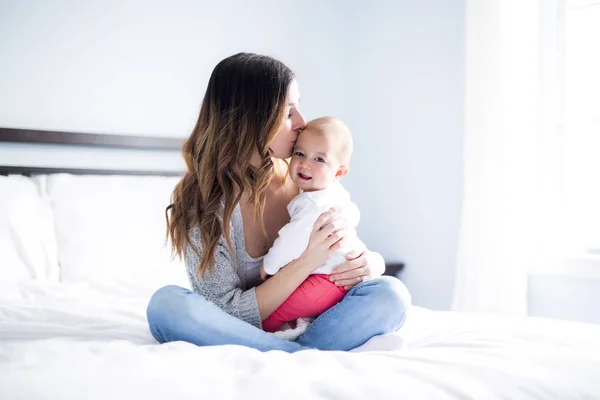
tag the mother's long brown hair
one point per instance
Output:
(241, 113)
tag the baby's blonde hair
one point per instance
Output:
(334, 127)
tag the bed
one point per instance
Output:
(74, 290)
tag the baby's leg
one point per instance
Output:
(313, 297)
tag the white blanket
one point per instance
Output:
(90, 341)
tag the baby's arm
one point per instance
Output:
(293, 237)
(263, 273)
(292, 241)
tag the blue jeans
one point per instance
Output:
(374, 307)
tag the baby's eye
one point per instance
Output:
(298, 154)
(319, 159)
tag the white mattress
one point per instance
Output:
(90, 341)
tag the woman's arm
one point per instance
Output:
(272, 293)
(362, 265)
(223, 286)
(324, 241)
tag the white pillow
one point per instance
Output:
(27, 241)
(112, 228)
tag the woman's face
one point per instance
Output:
(294, 122)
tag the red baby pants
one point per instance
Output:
(313, 297)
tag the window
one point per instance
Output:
(581, 102)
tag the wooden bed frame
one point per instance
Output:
(52, 138)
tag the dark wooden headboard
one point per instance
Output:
(13, 135)
(99, 140)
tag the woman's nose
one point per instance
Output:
(299, 122)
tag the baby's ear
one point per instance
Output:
(341, 172)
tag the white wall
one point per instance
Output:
(564, 296)
(393, 70)
(406, 110)
(142, 67)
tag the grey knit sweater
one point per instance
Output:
(231, 286)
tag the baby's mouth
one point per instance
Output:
(304, 177)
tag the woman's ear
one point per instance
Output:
(341, 172)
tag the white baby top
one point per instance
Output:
(304, 210)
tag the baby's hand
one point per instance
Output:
(263, 274)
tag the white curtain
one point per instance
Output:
(507, 159)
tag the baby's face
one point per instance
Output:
(314, 161)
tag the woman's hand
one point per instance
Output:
(362, 266)
(325, 239)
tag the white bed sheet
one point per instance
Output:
(90, 341)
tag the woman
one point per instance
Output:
(225, 215)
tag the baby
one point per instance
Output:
(320, 159)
